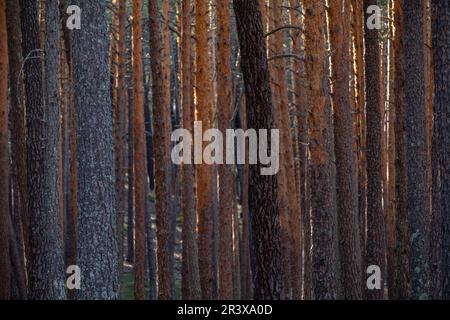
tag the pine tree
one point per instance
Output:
(416, 148)
(97, 224)
(227, 209)
(266, 246)
(440, 232)
(347, 196)
(5, 271)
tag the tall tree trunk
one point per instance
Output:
(161, 123)
(402, 282)
(440, 153)
(358, 31)
(390, 211)
(42, 156)
(17, 114)
(226, 195)
(287, 161)
(97, 222)
(139, 153)
(190, 271)
(416, 148)
(267, 271)
(325, 279)
(347, 196)
(120, 125)
(279, 99)
(375, 245)
(204, 171)
(300, 102)
(5, 267)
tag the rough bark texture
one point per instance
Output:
(416, 148)
(161, 124)
(120, 124)
(226, 183)
(325, 278)
(139, 153)
(300, 102)
(5, 270)
(17, 114)
(97, 222)
(358, 32)
(440, 239)
(45, 268)
(265, 220)
(279, 99)
(190, 271)
(375, 245)
(204, 171)
(347, 196)
(295, 224)
(402, 283)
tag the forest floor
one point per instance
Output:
(127, 281)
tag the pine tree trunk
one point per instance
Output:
(266, 247)
(204, 171)
(375, 245)
(161, 129)
(120, 125)
(139, 153)
(17, 114)
(347, 196)
(226, 183)
(358, 31)
(402, 282)
(97, 221)
(440, 154)
(325, 278)
(5, 266)
(42, 156)
(416, 148)
(190, 271)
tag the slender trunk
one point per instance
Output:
(17, 114)
(190, 270)
(225, 263)
(5, 267)
(161, 121)
(204, 171)
(402, 277)
(375, 245)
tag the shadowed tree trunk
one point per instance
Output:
(5, 266)
(375, 245)
(325, 278)
(440, 232)
(45, 267)
(416, 148)
(402, 282)
(347, 196)
(190, 272)
(266, 247)
(139, 153)
(97, 222)
(17, 115)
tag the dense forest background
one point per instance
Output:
(86, 176)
